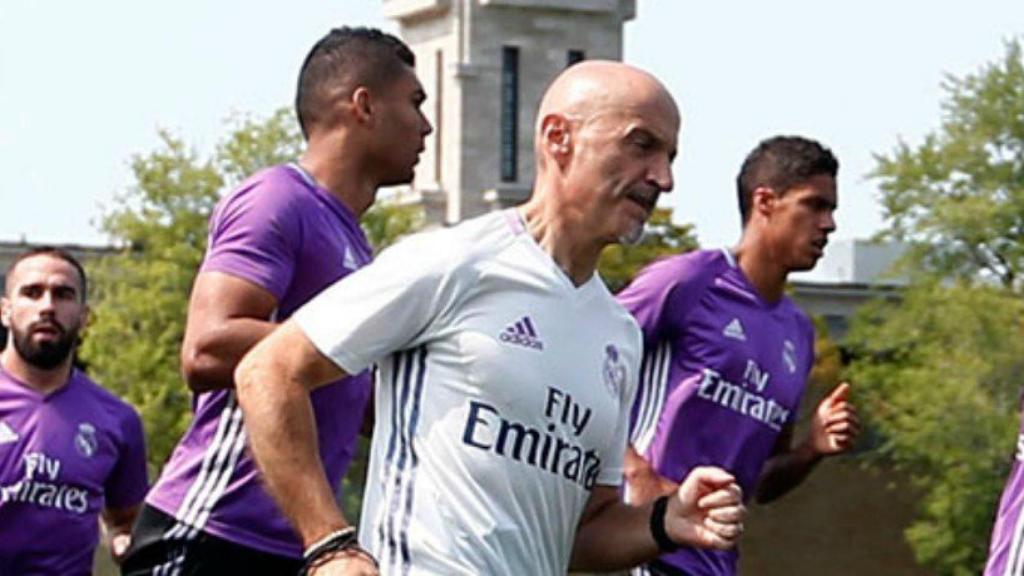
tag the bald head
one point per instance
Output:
(595, 87)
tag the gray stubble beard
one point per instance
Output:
(633, 237)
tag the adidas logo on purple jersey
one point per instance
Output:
(735, 331)
(522, 333)
(7, 434)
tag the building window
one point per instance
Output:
(509, 113)
(574, 56)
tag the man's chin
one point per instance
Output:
(44, 355)
(804, 265)
(47, 359)
(400, 179)
(633, 237)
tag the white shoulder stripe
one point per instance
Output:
(219, 462)
(1015, 560)
(729, 257)
(393, 519)
(204, 470)
(653, 385)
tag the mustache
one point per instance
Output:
(644, 195)
(48, 324)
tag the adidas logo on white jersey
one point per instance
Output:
(735, 331)
(522, 333)
(7, 435)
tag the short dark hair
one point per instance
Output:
(780, 163)
(342, 60)
(53, 252)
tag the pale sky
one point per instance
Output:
(85, 85)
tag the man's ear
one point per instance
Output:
(5, 312)
(362, 105)
(556, 138)
(762, 201)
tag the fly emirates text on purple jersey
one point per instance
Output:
(64, 457)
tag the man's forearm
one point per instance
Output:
(615, 537)
(282, 434)
(786, 471)
(117, 524)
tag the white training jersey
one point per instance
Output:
(502, 397)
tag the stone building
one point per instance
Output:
(485, 65)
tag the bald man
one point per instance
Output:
(507, 372)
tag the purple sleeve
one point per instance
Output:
(127, 484)
(661, 296)
(253, 236)
(812, 344)
(812, 354)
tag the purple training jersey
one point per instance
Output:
(64, 457)
(1005, 556)
(283, 232)
(722, 375)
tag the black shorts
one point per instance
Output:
(156, 551)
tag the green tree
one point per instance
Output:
(959, 196)
(140, 294)
(828, 363)
(938, 377)
(938, 372)
(389, 221)
(620, 263)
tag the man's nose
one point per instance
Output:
(661, 175)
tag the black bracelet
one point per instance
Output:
(658, 532)
(319, 552)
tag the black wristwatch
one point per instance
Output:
(658, 532)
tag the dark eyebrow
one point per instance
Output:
(648, 133)
(42, 285)
(642, 131)
(818, 201)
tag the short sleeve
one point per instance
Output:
(255, 235)
(397, 302)
(613, 458)
(661, 296)
(127, 484)
(812, 354)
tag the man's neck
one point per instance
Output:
(761, 268)
(41, 380)
(343, 176)
(558, 232)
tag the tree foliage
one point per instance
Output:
(140, 294)
(939, 372)
(959, 195)
(939, 376)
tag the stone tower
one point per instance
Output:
(485, 65)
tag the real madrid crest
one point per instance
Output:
(614, 370)
(85, 440)
(789, 355)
